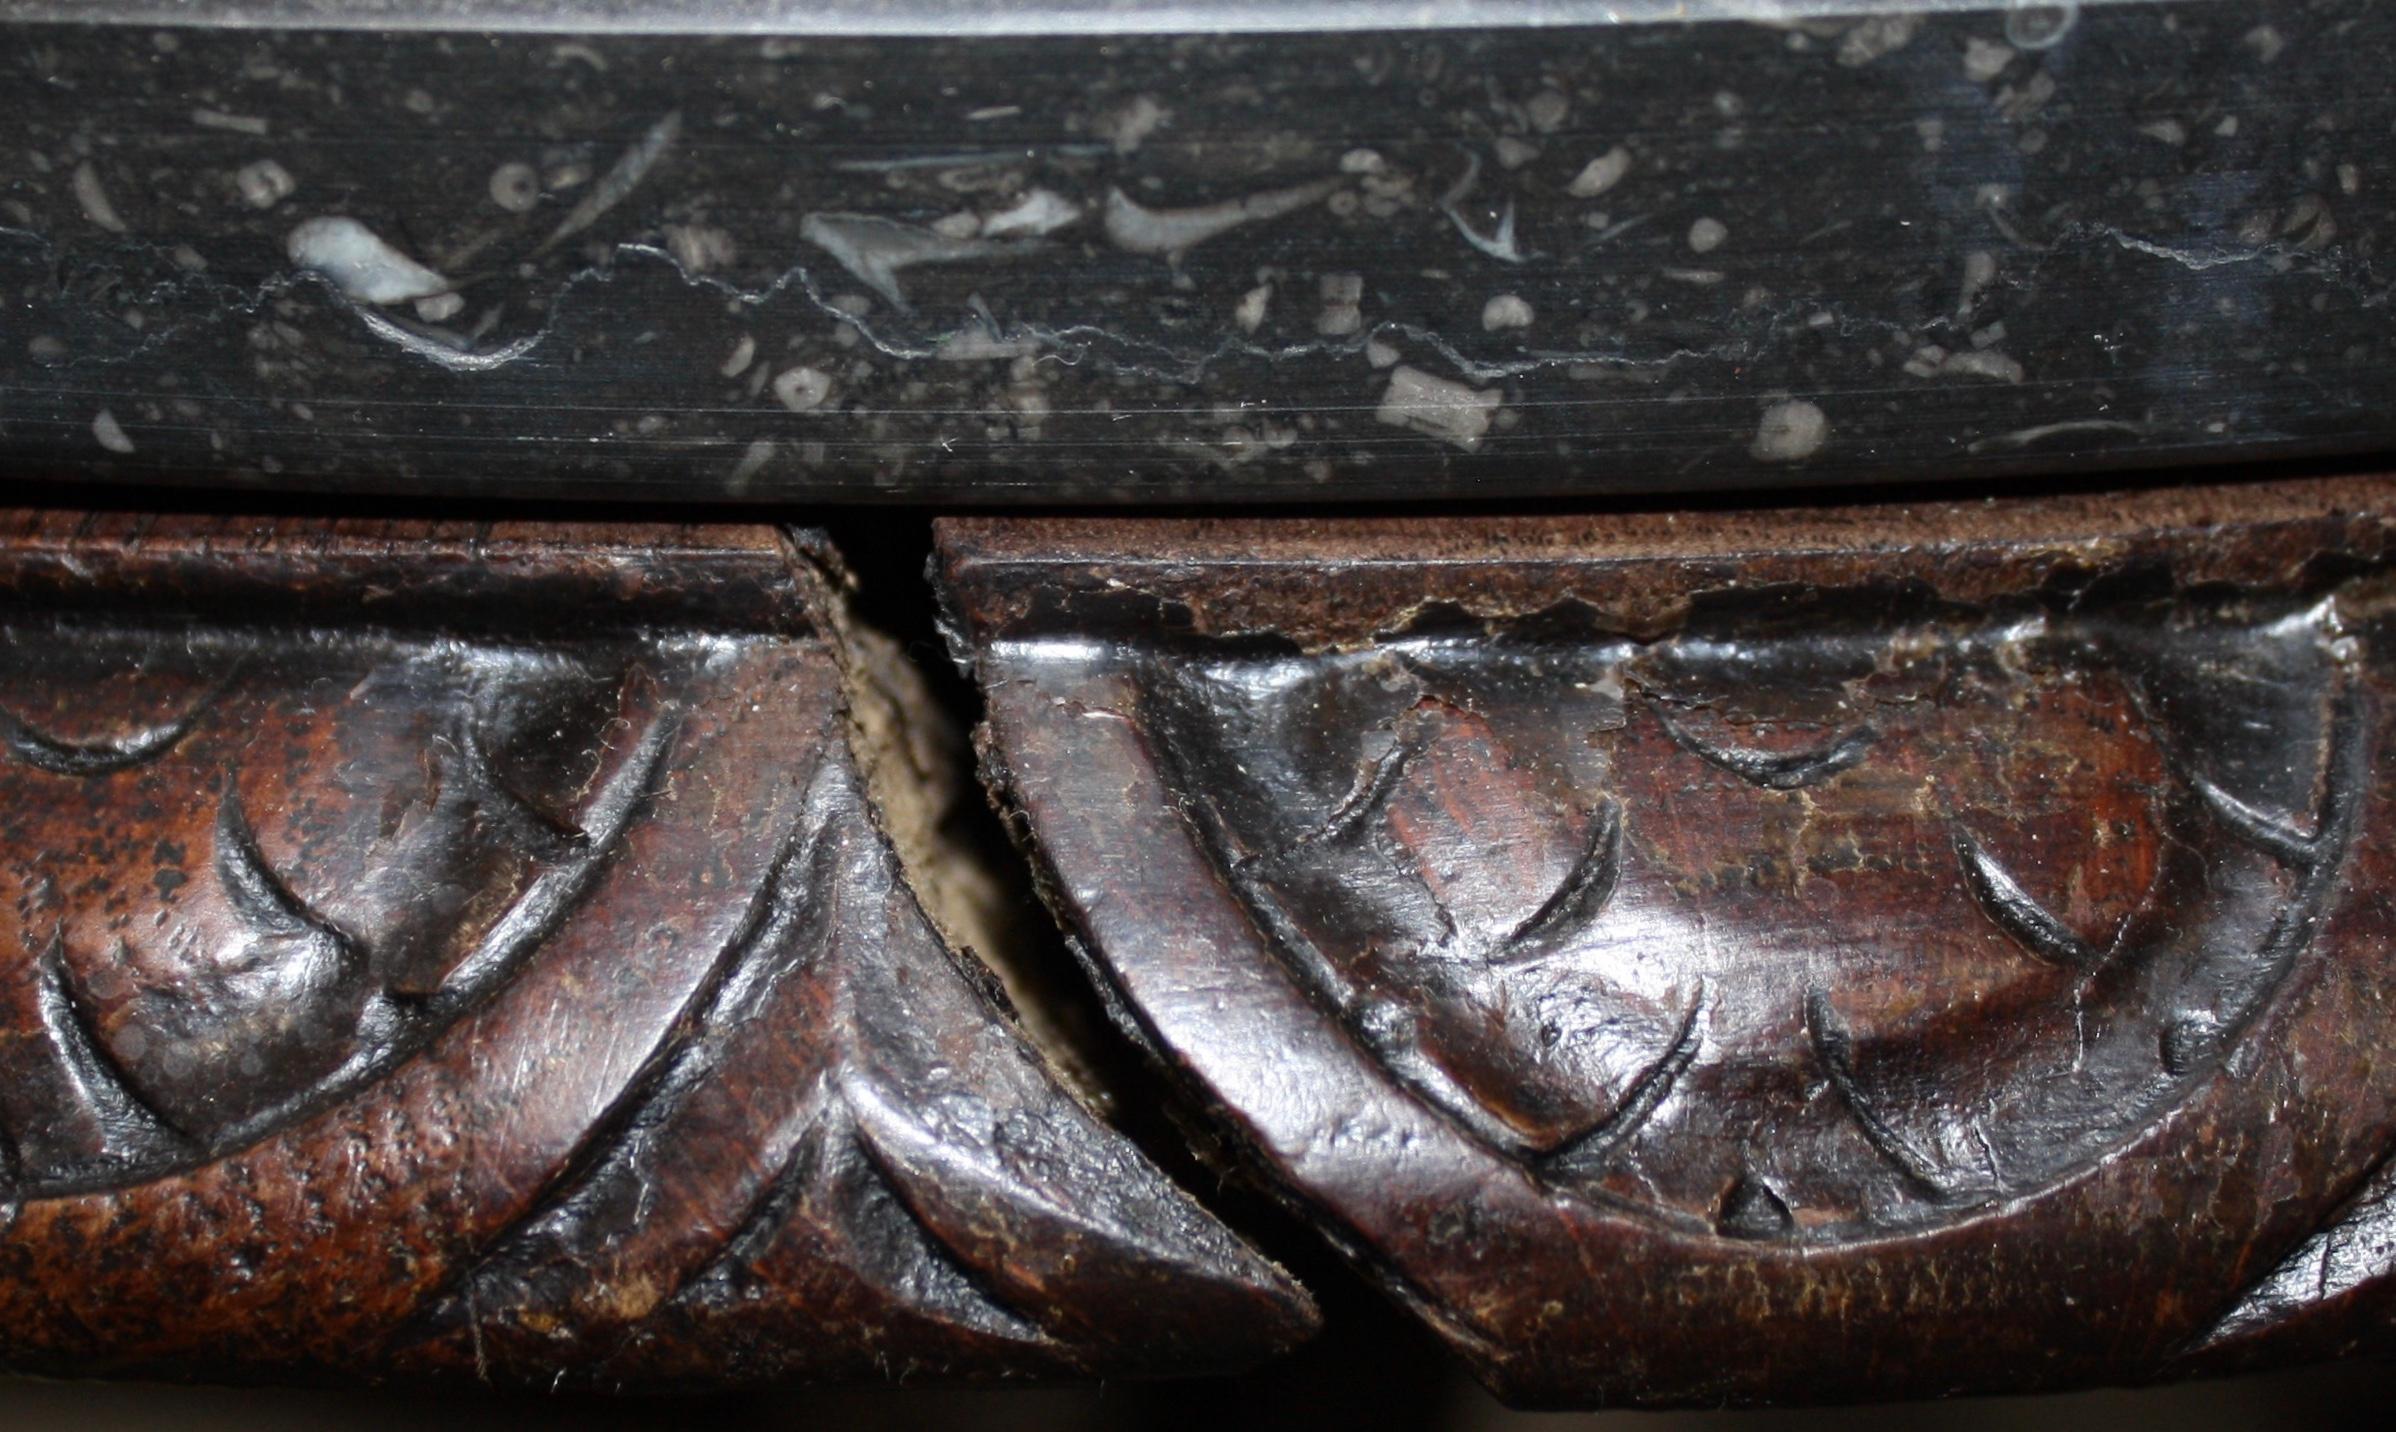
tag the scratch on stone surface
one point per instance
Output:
(2194, 259)
(451, 357)
(92, 198)
(2025, 437)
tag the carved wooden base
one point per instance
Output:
(472, 951)
(1846, 954)
(1853, 953)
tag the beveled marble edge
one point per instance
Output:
(960, 17)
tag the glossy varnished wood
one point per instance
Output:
(1852, 953)
(471, 951)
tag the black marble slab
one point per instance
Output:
(1075, 251)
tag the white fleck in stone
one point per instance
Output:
(1030, 401)
(1695, 277)
(1600, 174)
(515, 187)
(1138, 229)
(1380, 352)
(2266, 42)
(1343, 299)
(753, 460)
(1129, 125)
(1984, 60)
(1792, 430)
(1983, 363)
(802, 390)
(1547, 111)
(440, 308)
(963, 224)
(1438, 407)
(2040, 27)
(1933, 132)
(2228, 128)
(264, 184)
(2019, 104)
(110, 432)
(1039, 211)
(1880, 35)
(700, 248)
(93, 199)
(1514, 152)
(1505, 311)
(576, 52)
(230, 123)
(2310, 222)
(1979, 271)
(1250, 312)
(630, 168)
(1933, 361)
(876, 249)
(1706, 235)
(2350, 179)
(737, 362)
(359, 263)
(1361, 161)
(46, 347)
(2169, 131)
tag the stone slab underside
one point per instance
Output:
(1208, 252)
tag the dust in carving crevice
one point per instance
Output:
(912, 712)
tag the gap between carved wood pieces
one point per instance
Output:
(914, 709)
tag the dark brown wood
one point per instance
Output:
(1789, 956)
(475, 952)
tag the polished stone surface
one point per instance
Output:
(547, 249)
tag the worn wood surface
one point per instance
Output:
(1854, 953)
(470, 951)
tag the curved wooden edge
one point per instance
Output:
(2034, 1046)
(474, 953)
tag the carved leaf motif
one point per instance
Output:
(1441, 902)
(538, 1003)
(2011, 885)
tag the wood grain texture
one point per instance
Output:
(1846, 954)
(472, 952)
